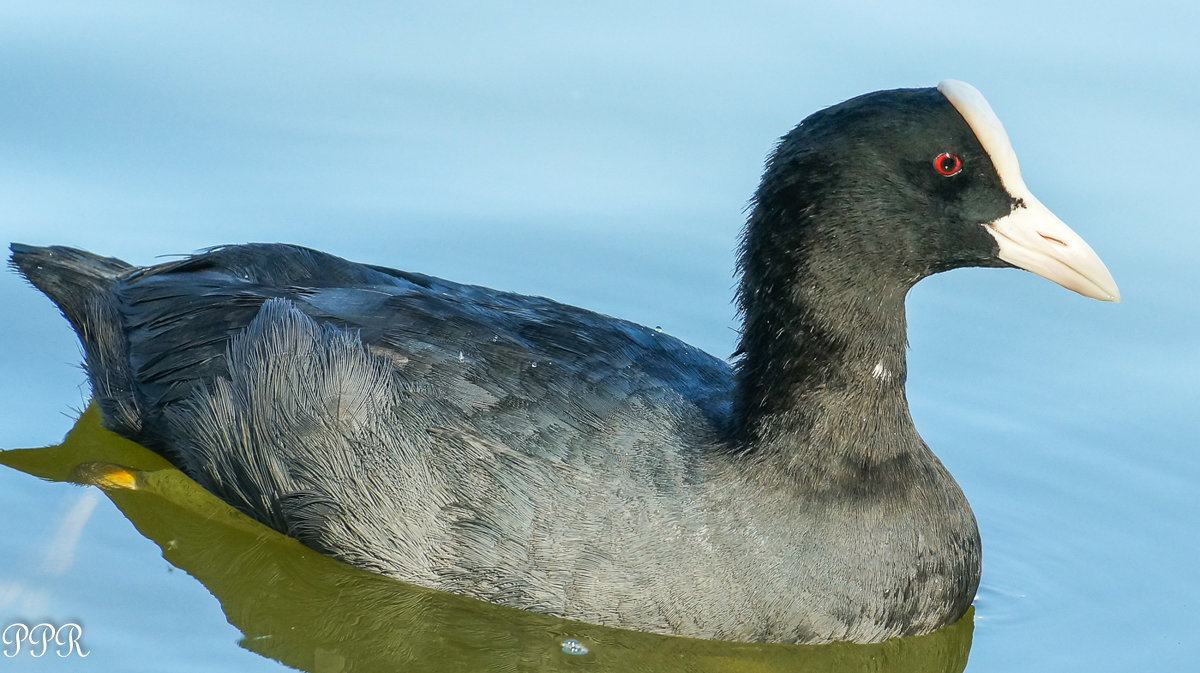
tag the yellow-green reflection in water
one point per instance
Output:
(311, 612)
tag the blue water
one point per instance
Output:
(602, 156)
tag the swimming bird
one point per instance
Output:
(545, 457)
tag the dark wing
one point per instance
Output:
(450, 435)
(514, 350)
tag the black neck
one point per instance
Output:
(820, 385)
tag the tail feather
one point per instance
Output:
(83, 286)
(71, 278)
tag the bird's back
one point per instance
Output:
(499, 445)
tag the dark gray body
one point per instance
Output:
(512, 448)
(545, 457)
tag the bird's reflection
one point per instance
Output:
(311, 612)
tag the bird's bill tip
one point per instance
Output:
(1033, 238)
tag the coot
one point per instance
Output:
(546, 457)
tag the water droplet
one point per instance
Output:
(533, 365)
(658, 328)
(572, 646)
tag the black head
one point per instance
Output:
(888, 187)
(875, 193)
(862, 200)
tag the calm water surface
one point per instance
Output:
(602, 157)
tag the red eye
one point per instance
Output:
(947, 163)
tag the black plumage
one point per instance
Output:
(543, 456)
